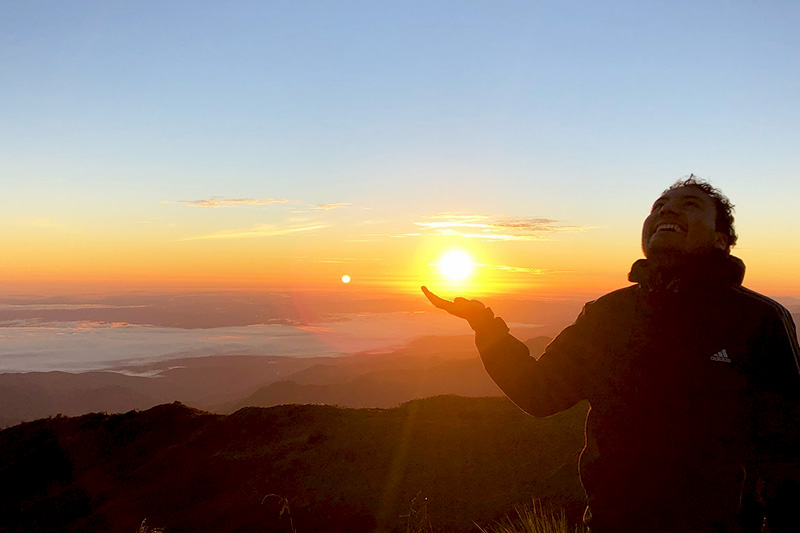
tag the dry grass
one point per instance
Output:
(536, 518)
(144, 528)
(282, 508)
(418, 519)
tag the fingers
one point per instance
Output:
(473, 311)
(460, 307)
(441, 303)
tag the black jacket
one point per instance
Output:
(694, 389)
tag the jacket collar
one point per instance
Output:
(713, 268)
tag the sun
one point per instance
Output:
(456, 265)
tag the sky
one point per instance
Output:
(282, 145)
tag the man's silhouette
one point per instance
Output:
(693, 382)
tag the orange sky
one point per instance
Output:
(581, 261)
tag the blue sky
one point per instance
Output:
(581, 112)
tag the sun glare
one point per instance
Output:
(456, 265)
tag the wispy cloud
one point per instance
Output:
(516, 269)
(263, 230)
(64, 306)
(493, 228)
(525, 270)
(217, 202)
(332, 260)
(330, 207)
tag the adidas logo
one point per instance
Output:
(721, 356)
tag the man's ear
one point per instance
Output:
(721, 241)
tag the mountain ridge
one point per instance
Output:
(474, 459)
(431, 366)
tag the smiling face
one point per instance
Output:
(682, 220)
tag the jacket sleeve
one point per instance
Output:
(777, 412)
(554, 382)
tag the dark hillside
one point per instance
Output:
(380, 388)
(351, 470)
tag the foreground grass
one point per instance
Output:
(536, 518)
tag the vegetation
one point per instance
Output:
(144, 528)
(535, 518)
(439, 464)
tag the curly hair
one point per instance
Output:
(724, 207)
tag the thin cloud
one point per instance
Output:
(333, 260)
(217, 202)
(525, 270)
(493, 228)
(516, 269)
(71, 327)
(64, 306)
(263, 230)
(330, 207)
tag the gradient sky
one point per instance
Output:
(283, 144)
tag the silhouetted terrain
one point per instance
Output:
(426, 367)
(467, 459)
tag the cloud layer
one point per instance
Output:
(217, 202)
(263, 230)
(330, 207)
(494, 228)
(32, 345)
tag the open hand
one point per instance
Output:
(471, 310)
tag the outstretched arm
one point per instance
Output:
(540, 388)
(472, 311)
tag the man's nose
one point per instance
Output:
(668, 207)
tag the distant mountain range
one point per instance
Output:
(427, 367)
(448, 461)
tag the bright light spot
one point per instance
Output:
(456, 265)
(345, 279)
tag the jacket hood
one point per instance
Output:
(714, 268)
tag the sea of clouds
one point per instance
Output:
(32, 345)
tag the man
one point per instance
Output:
(693, 382)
